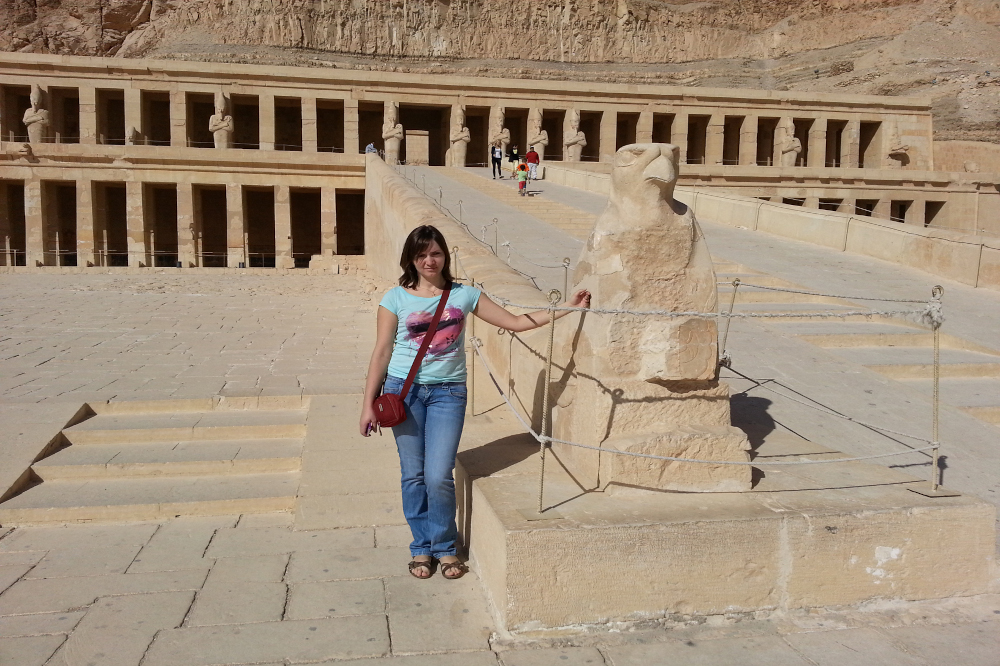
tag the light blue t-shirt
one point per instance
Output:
(445, 358)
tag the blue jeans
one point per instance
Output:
(427, 443)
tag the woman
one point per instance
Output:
(435, 405)
(496, 157)
(513, 158)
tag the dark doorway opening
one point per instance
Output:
(834, 142)
(869, 153)
(65, 114)
(766, 129)
(802, 127)
(552, 123)
(865, 207)
(258, 205)
(16, 100)
(516, 120)
(59, 224)
(111, 223)
(211, 221)
(350, 221)
(246, 121)
(15, 245)
(435, 120)
(200, 109)
(663, 125)
(898, 210)
(931, 211)
(697, 139)
(287, 123)
(371, 115)
(731, 130)
(156, 118)
(628, 124)
(161, 224)
(792, 201)
(590, 125)
(111, 117)
(306, 213)
(330, 125)
(830, 204)
(477, 119)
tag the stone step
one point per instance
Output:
(188, 426)
(988, 414)
(150, 498)
(149, 459)
(921, 340)
(926, 370)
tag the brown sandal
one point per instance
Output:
(446, 567)
(416, 564)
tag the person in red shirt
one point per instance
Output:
(531, 157)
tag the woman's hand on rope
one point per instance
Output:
(581, 299)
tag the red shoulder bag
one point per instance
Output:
(388, 407)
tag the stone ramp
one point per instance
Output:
(160, 459)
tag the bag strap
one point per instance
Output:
(431, 330)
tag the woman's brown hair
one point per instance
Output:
(418, 241)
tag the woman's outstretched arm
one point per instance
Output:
(385, 333)
(492, 313)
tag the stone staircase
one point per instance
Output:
(152, 460)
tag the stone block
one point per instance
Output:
(237, 602)
(118, 630)
(485, 658)
(393, 536)
(459, 605)
(260, 569)
(180, 544)
(353, 564)
(85, 562)
(71, 537)
(251, 520)
(975, 644)
(337, 511)
(335, 599)
(833, 648)
(28, 650)
(238, 542)
(572, 656)
(292, 640)
(12, 574)
(349, 482)
(758, 651)
(39, 624)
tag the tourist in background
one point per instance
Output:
(531, 157)
(428, 439)
(496, 157)
(512, 157)
(522, 178)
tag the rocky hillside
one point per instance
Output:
(940, 48)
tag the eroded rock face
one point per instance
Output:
(646, 383)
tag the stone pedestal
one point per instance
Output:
(417, 147)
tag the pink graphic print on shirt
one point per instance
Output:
(448, 329)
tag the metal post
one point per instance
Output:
(496, 236)
(440, 196)
(566, 276)
(199, 252)
(554, 297)
(58, 253)
(472, 373)
(723, 357)
(105, 232)
(423, 181)
(936, 294)
(152, 248)
(460, 211)
(10, 257)
(246, 249)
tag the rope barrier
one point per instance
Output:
(542, 439)
(815, 293)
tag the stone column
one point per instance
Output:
(351, 134)
(266, 121)
(283, 227)
(780, 134)
(644, 129)
(328, 221)
(748, 141)
(917, 213)
(715, 139)
(848, 206)
(679, 135)
(817, 144)
(310, 141)
(850, 144)
(236, 226)
(34, 230)
(135, 223)
(86, 236)
(811, 202)
(609, 136)
(186, 230)
(883, 208)
(133, 111)
(88, 116)
(178, 118)
(4, 225)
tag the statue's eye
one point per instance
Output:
(626, 157)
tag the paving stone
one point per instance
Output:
(584, 656)
(348, 482)
(975, 644)
(761, 651)
(116, 631)
(239, 542)
(66, 563)
(834, 648)
(51, 595)
(251, 520)
(347, 564)
(393, 536)
(180, 544)
(335, 599)
(28, 650)
(68, 537)
(385, 508)
(10, 575)
(293, 640)
(453, 659)
(29, 557)
(414, 605)
(257, 569)
(39, 624)
(237, 602)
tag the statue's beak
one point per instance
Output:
(659, 169)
